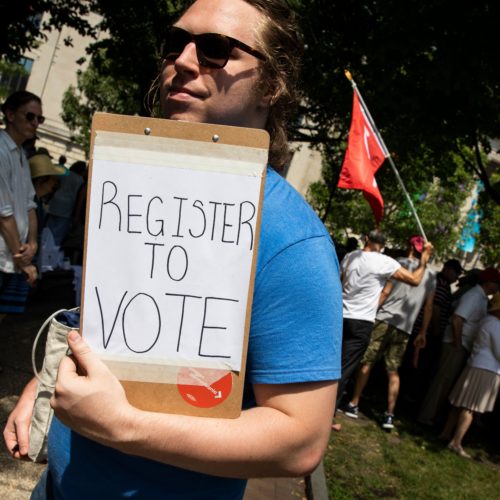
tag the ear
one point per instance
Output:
(9, 115)
(265, 101)
(269, 97)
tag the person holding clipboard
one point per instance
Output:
(230, 62)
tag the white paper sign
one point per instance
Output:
(170, 240)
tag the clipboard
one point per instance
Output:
(140, 170)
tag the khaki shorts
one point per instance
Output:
(386, 340)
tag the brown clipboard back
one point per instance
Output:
(166, 397)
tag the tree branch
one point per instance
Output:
(483, 175)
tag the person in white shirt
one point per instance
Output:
(457, 344)
(22, 114)
(477, 388)
(364, 273)
(393, 327)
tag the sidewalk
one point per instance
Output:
(16, 338)
(275, 489)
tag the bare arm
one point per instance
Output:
(386, 291)
(22, 253)
(420, 339)
(16, 432)
(415, 277)
(28, 250)
(32, 240)
(9, 232)
(286, 435)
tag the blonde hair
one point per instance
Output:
(277, 38)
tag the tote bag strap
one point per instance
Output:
(37, 338)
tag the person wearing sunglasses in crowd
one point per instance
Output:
(22, 112)
(231, 62)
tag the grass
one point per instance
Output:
(364, 462)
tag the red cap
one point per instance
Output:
(417, 242)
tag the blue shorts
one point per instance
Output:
(14, 290)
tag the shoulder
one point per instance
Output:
(5, 143)
(287, 220)
(408, 263)
(475, 294)
(388, 262)
(351, 255)
(283, 204)
(470, 301)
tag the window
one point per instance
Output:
(14, 76)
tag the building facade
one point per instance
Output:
(50, 69)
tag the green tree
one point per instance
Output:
(131, 51)
(95, 92)
(438, 204)
(9, 70)
(123, 65)
(22, 27)
(489, 235)
(425, 69)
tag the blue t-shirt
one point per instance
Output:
(295, 336)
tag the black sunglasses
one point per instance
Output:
(212, 49)
(31, 116)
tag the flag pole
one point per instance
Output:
(386, 152)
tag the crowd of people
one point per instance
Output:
(38, 198)
(453, 358)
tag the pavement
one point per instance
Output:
(17, 332)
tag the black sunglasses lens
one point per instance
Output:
(31, 116)
(213, 50)
(175, 42)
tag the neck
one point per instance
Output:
(372, 247)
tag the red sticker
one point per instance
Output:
(204, 387)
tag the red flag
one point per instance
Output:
(363, 158)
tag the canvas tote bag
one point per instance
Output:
(60, 323)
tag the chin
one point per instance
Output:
(178, 110)
(184, 117)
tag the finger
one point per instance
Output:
(83, 354)
(30, 277)
(25, 260)
(67, 368)
(22, 431)
(16, 439)
(10, 438)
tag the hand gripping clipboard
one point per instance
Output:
(171, 240)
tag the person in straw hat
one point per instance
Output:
(45, 176)
(477, 387)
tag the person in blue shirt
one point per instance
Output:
(102, 447)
